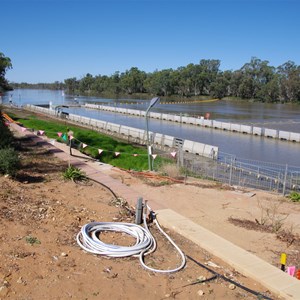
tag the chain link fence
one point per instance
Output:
(243, 172)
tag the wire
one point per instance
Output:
(230, 280)
(89, 239)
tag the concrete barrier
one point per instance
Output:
(113, 127)
(246, 129)
(208, 123)
(158, 138)
(177, 119)
(155, 115)
(101, 124)
(226, 126)
(168, 141)
(132, 132)
(271, 133)
(217, 124)
(122, 110)
(198, 148)
(164, 140)
(93, 122)
(164, 117)
(200, 121)
(188, 146)
(236, 127)
(295, 137)
(257, 131)
(85, 120)
(184, 119)
(284, 135)
(139, 135)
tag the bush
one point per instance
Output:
(73, 173)
(9, 161)
(294, 196)
(171, 170)
(6, 136)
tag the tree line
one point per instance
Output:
(255, 80)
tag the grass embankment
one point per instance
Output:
(131, 158)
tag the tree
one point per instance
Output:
(289, 81)
(132, 81)
(160, 83)
(207, 74)
(71, 85)
(5, 64)
(255, 75)
(220, 87)
(86, 83)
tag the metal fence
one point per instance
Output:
(243, 172)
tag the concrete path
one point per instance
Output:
(243, 261)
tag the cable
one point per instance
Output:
(89, 239)
(183, 259)
(230, 280)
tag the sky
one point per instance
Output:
(52, 40)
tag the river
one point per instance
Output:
(277, 116)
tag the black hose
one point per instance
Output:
(229, 280)
(104, 185)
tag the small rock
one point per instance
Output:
(200, 293)
(64, 254)
(20, 280)
(211, 264)
(201, 278)
(3, 291)
(232, 286)
(167, 295)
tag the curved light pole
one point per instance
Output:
(152, 103)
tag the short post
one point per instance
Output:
(139, 211)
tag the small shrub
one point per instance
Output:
(73, 173)
(32, 240)
(6, 137)
(294, 196)
(9, 161)
(170, 170)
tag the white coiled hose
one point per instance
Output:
(89, 239)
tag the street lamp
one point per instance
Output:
(152, 103)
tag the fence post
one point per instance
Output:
(230, 174)
(284, 181)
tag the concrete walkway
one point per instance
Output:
(243, 261)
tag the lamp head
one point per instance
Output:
(154, 101)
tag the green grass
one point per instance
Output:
(96, 141)
(294, 196)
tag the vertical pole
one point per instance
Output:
(148, 143)
(284, 182)
(139, 211)
(230, 174)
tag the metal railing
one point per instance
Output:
(243, 172)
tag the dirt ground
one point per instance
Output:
(41, 214)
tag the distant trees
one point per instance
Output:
(255, 80)
(5, 64)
